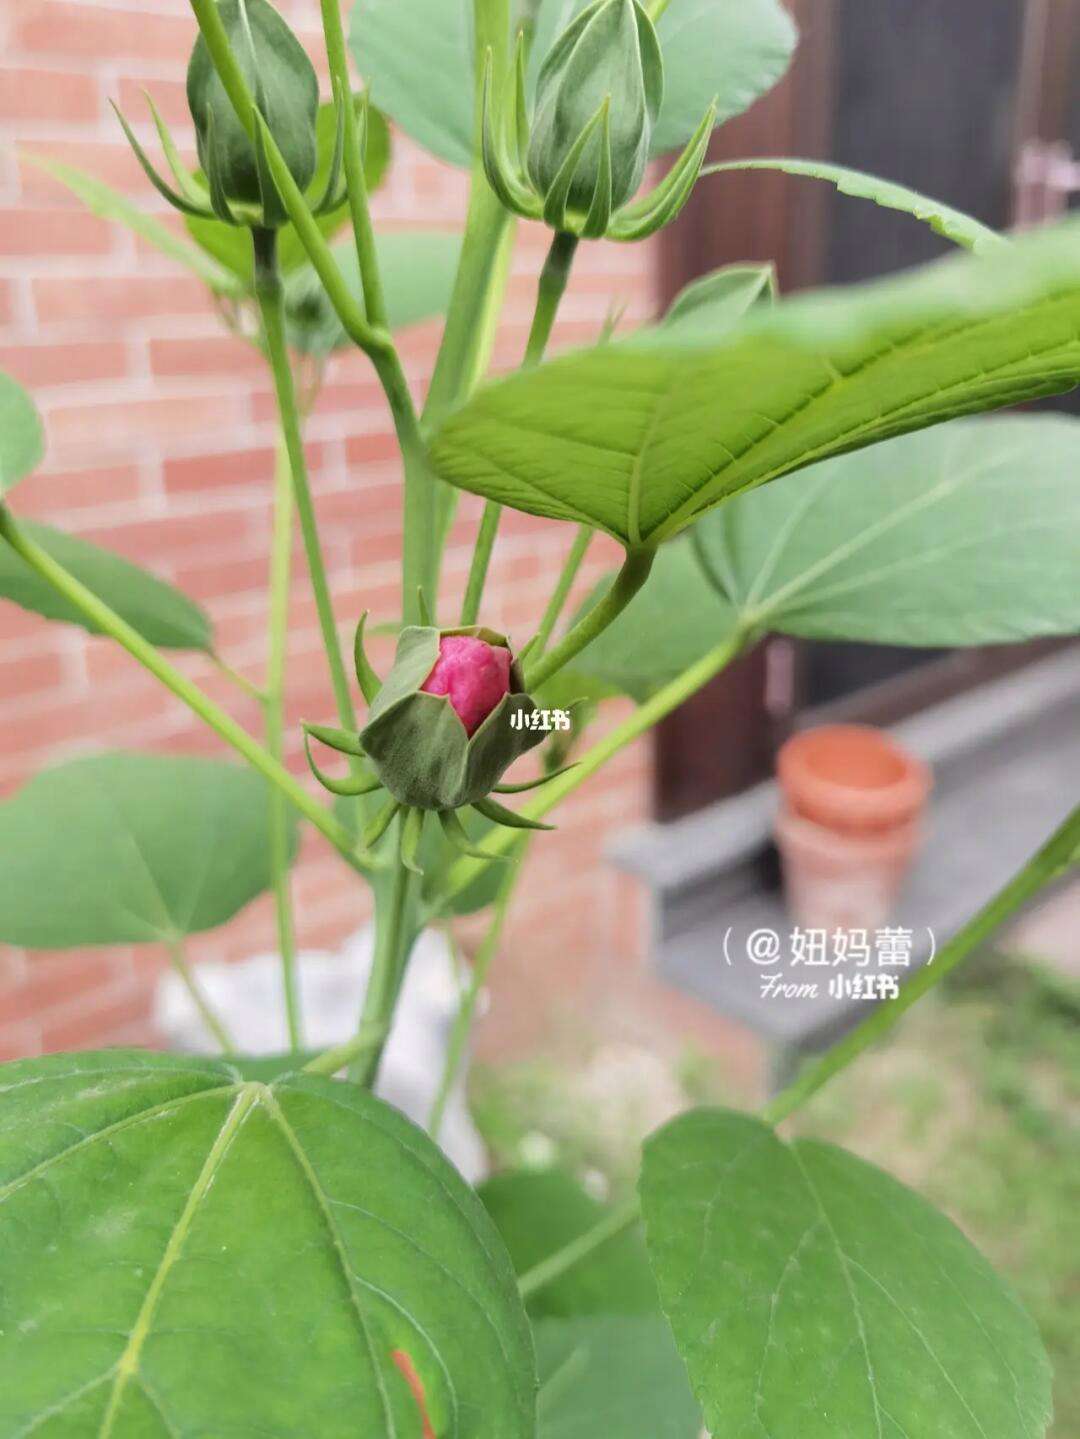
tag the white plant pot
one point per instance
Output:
(248, 992)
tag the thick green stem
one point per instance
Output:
(1057, 856)
(268, 294)
(561, 594)
(634, 573)
(552, 287)
(475, 301)
(467, 1010)
(110, 623)
(1059, 853)
(280, 572)
(215, 1025)
(380, 998)
(554, 278)
(418, 560)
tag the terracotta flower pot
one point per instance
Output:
(849, 824)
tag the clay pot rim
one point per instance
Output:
(834, 804)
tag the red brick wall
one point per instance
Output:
(160, 432)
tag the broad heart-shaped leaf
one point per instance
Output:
(184, 1252)
(812, 1296)
(417, 57)
(123, 848)
(22, 442)
(968, 534)
(613, 1376)
(538, 1212)
(954, 225)
(642, 438)
(417, 268)
(230, 245)
(163, 615)
(103, 200)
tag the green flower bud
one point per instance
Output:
(438, 737)
(605, 72)
(286, 90)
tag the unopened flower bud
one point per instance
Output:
(442, 731)
(472, 674)
(608, 56)
(283, 82)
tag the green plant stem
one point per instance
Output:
(624, 1216)
(419, 564)
(363, 232)
(380, 998)
(110, 623)
(574, 559)
(465, 870)
(481, 561)
(215, 1025)
(419, 560)
(552, 287)
(481, 966)
(554, 278)
(634, 573)
(235, 677)
(475, 300)
(268, 294)
(1057, 856)
(280, 574)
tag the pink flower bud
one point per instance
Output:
(473, 674)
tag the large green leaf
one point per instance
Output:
(812, 1296)
(22, 442)
(416, 55)
(183, 1252)
(161, 614)
(612, 1377)
(968, 534)
(103, 200)
(230, 245)
(417, 269)
(642, 438)
(123, 848)
(954, 225)
(538, 1212)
